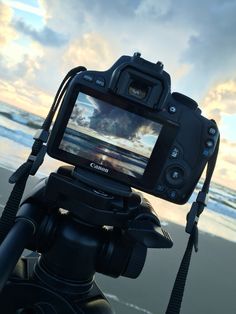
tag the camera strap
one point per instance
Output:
(191, 228)
(34, 161)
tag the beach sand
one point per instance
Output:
(211, 282)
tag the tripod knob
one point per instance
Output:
(146, 228)
(149, 234)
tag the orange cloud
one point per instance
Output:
(92, 51)
(225, 172)
(220, 99)
(30, 99)
(7, 32)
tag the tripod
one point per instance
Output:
(105, 227)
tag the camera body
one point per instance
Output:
(125, 124)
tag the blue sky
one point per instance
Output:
(41, 40)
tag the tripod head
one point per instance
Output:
(102, 201)
(105, 227)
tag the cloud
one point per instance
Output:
(21, 95)
(46, 36)
(7, 33)
(215, 39)
(113, 121)
(220, 100)
(24, 69)
(153, 8)
(134, 25)
(186, 37)
(90, 10)
(91, 50)
(210, 49)
(15, 63)
(230, 159)
(123, 24)
(226, 164)
(205, 32)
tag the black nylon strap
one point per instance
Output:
(9, 213)
(197, 208)
(30, 167)
(179, 285)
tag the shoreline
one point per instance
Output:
(210, 286)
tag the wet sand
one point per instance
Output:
(211, 282)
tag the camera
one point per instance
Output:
(125, 124)
(118, 129)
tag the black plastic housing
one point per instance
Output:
(185, 144)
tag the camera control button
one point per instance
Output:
(174, 153)
(212, 131)
(160, 188)
(209, 143)
(88, 77)
(172, 194)
(206, 152)
(172, 109)
(175, 176)
(100, 81)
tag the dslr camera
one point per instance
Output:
(125, 124)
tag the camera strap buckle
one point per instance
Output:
(196, 210)
(193, 216)
(29, 167)
(37, 160)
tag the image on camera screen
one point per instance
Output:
(110, 136)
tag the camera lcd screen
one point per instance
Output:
(109, 137)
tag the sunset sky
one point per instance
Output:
(41, 40)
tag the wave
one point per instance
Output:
(17, 136)
(22, 117)
(221, 200)
(222, 206)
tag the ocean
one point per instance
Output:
(17, 128)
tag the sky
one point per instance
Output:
(40, 41)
